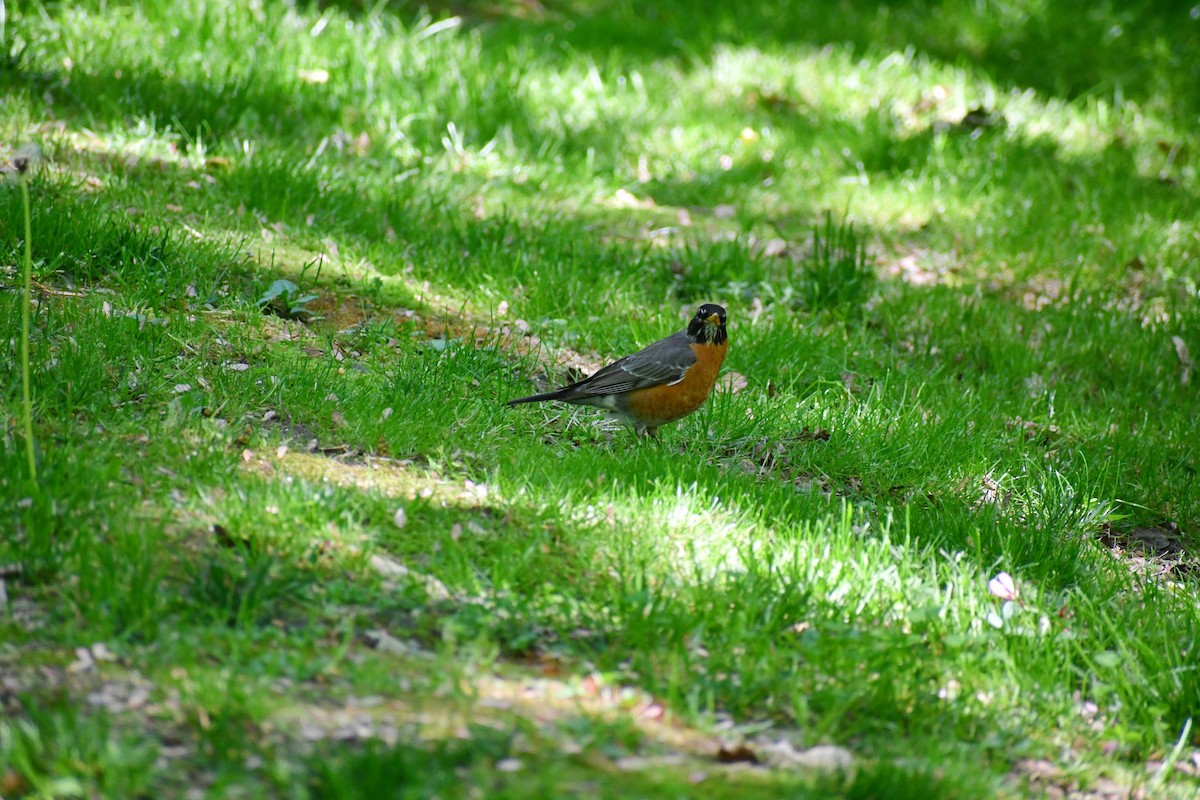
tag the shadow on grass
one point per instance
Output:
(1027, 49)
(542, 594)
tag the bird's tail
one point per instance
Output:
(537, 398)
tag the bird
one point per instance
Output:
(659, 384)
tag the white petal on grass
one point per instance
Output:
(313, 75)
(100, 652)
(83, 661)
(1002, 586)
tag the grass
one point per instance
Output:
(22, 166)
(282, 546)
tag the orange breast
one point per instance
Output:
(661, 404)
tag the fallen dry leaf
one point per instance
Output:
(13, 784)
(733, 382)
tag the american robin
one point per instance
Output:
(668, 380)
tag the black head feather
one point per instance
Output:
(700, 329)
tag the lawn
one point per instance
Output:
(933, 536)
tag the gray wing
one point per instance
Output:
(665, 361)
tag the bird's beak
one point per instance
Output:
(712, 319)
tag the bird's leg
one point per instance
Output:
(648, 431)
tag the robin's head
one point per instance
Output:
(708, 325)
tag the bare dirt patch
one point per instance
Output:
(1155, 551)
